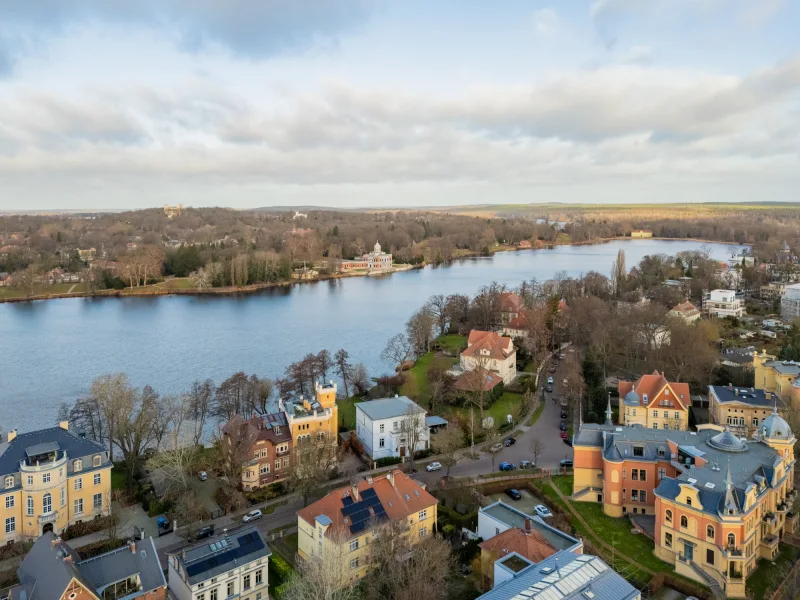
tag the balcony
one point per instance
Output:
(782, 508)
(770, 540)
(769, 518)
(733, 553)
(50, 517)
(282, 452)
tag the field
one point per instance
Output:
(13, 292)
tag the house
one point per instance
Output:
(266, 444)
(790, 302)
(173, 211)
(5, 279)
(780, 377)
(474, 381)
(87, 254)
(774, 290)
(390, 426)
(737, 358)
(654, 336)
(653, 402)
(510, 305)
(299, 215)
(723, 303)
(641, 233)
(231, 565)
(563, 576)
(52, 569)
(720, 503)
(489, 351)
(344, 521)
(741, 409)
(374, 261)
(318, 416)
(517, 327)
(686, 311)
(498, 517)
(51, 479)
(525, 245)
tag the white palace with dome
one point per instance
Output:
(373, 262)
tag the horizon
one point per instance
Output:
(380, 105)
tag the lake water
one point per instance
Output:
(51, 350)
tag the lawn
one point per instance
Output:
(118, 477)
(416, 383)
(286, 546)
(767, 572)
(536, 414)
(452, 343)
(39, 290)
(347, 411)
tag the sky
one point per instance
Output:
(114, 104)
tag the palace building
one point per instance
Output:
(315, 417)
(374, 261)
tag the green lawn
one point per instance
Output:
(767, 572)
(347, 411)
(118, 477)
(536, 414)
(416, 383)
(452, 343)
(40, 290)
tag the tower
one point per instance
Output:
(776, 433)
(609, 413)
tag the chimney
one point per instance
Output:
(528, 525)
(132, 546)
(12, 434)
(64, 425)
(390, 477)
(369, 479)
(730, 386)
(736, 391)
(354, 489)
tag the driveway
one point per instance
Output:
(525, 504)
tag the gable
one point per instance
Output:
(671, 391)
(81, 592)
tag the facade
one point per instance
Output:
(387, 427)
(173, 211)
(344, 521)
(790, 302)
(686, 311)
(53, 570)
(738, 358)
(778, 377)
(774, 290)
(564, 576)
(510, 306)
(374, 261)
(641, 233)
(51, 479)
(518, 326)
(655, 403)
(740, 409)
(318, 417)
(723, 303)
(488, 351)
(720, 503)
(226, 566)
(266, 441)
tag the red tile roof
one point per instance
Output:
(656, 387)
(685, 308)
(471, 380)
(499, 347)
(510, 302)
(518, 322)
(530, 544)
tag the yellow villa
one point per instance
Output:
(779, 377)
(318, 416)
(52, 478)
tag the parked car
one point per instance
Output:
(162, 522)
(252, 516)
(549, 388)
(566, 463)
(434, 466)
(202, 476)
(509, 441)
(566, 440)
(550, 380)
(204, 532)
(542, 511)
(563, 426)
(496, 447)
(526, 464)
(564, 435)
(564, 414)
(513, 494)
(562, 356)
(507, 466)
(553, 368)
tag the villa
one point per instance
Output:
(375, 261)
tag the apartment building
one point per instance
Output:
(653, 402)
(266, 443)
(723, 303)
(51, 479)
(790, 302)
(779, 377)
(741, 409)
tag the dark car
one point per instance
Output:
(513, 494)
(564, 415)
(549, 388)
(566, 463)
(509, 441)
(204, 532)
(507, 466)
(563, 426)
(567, 441)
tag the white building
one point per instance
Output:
(227, 566)
(723, 303)
(790, 302)
(488, 351)
(387, 427)
(499, 517)
(375, 261)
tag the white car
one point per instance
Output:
(202, 475)
(550, 380)
(542, 511)
(252, 516)
(434, 466)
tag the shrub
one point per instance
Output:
(158, 507)
(388, 461)
(97, 548)
(279, 569)
(87, 527)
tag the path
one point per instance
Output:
(69, 291)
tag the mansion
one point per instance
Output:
(779, 377)
(654, 403)
(375, 261)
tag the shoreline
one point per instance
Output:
(153, 291)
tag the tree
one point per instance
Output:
(314, 461)
(26, 278)
(457, 309)
(397, 349)
(448, 443)
(439, 387)
(484, 310)
(235, 447)
(260, 393)
(536, 447)
(174, 468)
(437, 307)
(791, 345)
(360, 379)
(492, 435)
(413, 430)
(326, 576)
(232, 397)
(200, 398)
(135, 429)
(112, 395)
(619, 274)
(343, 369)
(419, 330)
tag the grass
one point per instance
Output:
(12, 292)
(271, 508)
(452, 343)
(118, 478)
(286, 546)
(416, 383)
(347, 411)
(536, 414)
(767, 572)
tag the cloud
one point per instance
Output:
(638, 55)
(253, 29)
(545, 22)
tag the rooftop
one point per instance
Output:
(44, 441)
(496, 346)
(220, 554)
(530, 544)
(517, 519)
(784, 367)
(387, 408)
(119, 564)
(749, 396)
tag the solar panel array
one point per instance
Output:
(248, 543)
(358, 514)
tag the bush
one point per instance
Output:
(388, 461)
(87, 527)
(157, 507)
(97, 548)
(423, 454)
(279, 569)
(266, 493)
(447, 516)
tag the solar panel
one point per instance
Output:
(347, 500)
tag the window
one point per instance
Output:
(710, 556)
(77, 465)
(354, 563)
(655, 425)
(30, 479)
(731, 540)
(9, 482)
(201, 596)
(78, 506)
(353, 545)
(755, 422)
(381, 427)
(423, 514)
(30, 505)
(635, 474)
(394, 425)
(710, 532)
(11, 524)
(638, 450)
(256, 454)
(623, 497)
(677, 415)
(285, 462)
(668, 516)
(246, 585)
(684, 521)
(97, 501)
(644, 397)
(642, 475)
(96, 460)
(668, 540)
(655, 414)
(634, 412)
(78, 485)
(231, 587)
(642, 496)
(259, 577)
(278, 464)
(63, 496)
(97, 478)
(381, 443)
(635, 495)
(9, 501)
(623, 473)
(45, 477)
(423, 531)
(263, 453)
(47, 504)
(212, 595)
(264, 470)
(662, 473)
(688, 501)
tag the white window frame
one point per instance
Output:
(9, 482)
(95, 504)
(77, 484)
(10, 501)
(30, 509)
(97, 479)
(97, 460)
(75, 506)
(11, 524)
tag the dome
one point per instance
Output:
(632, 398)
(796, 383)
(776, 428)
(727, 442)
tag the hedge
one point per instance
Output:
(388, 461)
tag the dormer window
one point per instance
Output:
(77, 465)
(96, 460)
(666, 392)
(638, 450)
(9, 482)
(644, 397)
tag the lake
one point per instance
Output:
(51, 350)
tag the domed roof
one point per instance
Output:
(776, 428)
(632, 398)
(796, 383)
(727, 442)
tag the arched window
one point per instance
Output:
(731, 539)
(668, 516)
(688, 500)
(30, 505)
(710, 531)
(684, 521)
(47, 504)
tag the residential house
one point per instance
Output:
(299, 215)
(723, 303)
(517, 327)
(173, 211)
(655, 403)
(51, 479)
(87, 254)
(737, 358)
(374, 261)
(686, 311)
(231, 565)
(562, 576)
(525, 245)
(780, 377)
(641, 233)
(318, 416)
(52, 570)
(774, 290)
(510, 306)
(741, 409)
(389, 426)
(345, 521)
(266, 442)
(489, 351)
(720, 503)
(790, 302)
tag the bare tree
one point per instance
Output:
(536, 447)
(327, 576)
(413, 430)
(448, 443)
(236, 447)
(201, 397)
(437, 306)
(232, 397)
(314, 460)
(135, 431)
(492, 435)
(397, 349)
(113, 396)
(260, 392)
(173, 468)
(619, 274)
(343, 369)
(360, 379)
(419, 329)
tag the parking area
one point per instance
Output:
(525, 504)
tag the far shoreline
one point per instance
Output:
(154, 291)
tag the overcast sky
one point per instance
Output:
(244, 103)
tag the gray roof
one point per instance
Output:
(565, 576)
(15, 451)
(784, 367)
(220, 554)
(45, 572)
(121, 563)
(386, 408)
(749, 396)
(434, 421)
(516, 518)
(39, 449)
